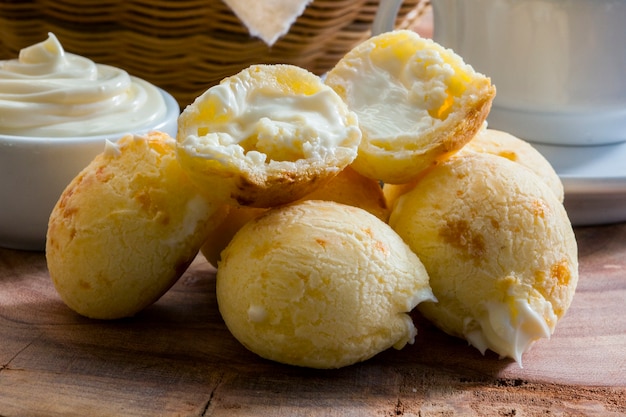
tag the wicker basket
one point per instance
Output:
(187, 46)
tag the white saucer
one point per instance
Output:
(594, 178)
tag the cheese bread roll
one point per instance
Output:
(351, 188)
(498, 247)
(267, 136)
(319, 284)
(126, 228)
(502, 144)
(517, 150)
(348, 187)
(417, 102)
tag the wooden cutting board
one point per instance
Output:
(178, 359)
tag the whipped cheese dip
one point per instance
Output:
(47, 92)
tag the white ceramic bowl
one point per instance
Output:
(34, 171)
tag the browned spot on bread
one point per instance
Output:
(144, 200)
(540, 209)
(459, 234)
(321, 242)
(510, 155)
(69, 211)
(103, 175)
(381, 247)
(547, 283)
(560, 272)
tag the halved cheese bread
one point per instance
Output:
(416, 101)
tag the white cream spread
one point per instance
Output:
(510, 329)
(262, 124)
(48, 92)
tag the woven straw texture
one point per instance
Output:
(186, 46)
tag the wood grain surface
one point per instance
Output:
(178, 359)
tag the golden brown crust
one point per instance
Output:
(499, 249)
(319, 284)
(126, 228)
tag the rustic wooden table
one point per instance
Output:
(178, 359)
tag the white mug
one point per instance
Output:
(559, 66)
